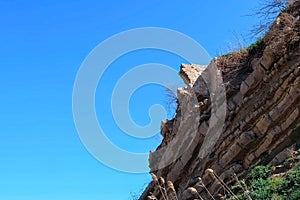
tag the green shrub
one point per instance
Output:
(263, 186)
(259, 172)
(279, 188)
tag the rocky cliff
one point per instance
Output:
(240, 111)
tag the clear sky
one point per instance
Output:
(42, 46)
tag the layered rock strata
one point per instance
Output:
(261, 119)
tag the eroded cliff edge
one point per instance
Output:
(262, 86)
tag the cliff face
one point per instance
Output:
(258, 125)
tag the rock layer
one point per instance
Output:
(261, 118)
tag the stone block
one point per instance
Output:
(231, 153)
(291, 118)
(255, 64)
(250, 81)
(238, 98)
(249, 160)
(245, 138)
(268, 58)
(244, 88)
(278, 93)
(258, 74)
(190, 73)
(274, 114)
(284, 104)
(263, 124)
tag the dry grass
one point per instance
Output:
(268, 12)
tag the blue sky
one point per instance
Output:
(42, 45)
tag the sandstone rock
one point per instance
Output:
(268, 58)
(244, 88)
(251, 81)
(238, 98)
(190, 73)
(263, 116)
(263, 124)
